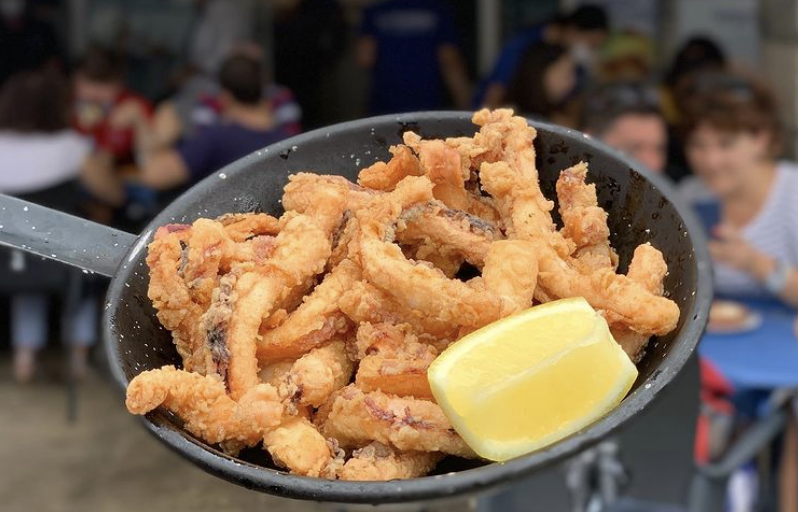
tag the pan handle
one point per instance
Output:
(62, 237)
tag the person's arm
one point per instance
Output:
(163, 131)
(763, 266)
(98, 176)
(495, 94)
(366, 45)
(366, 52)
(164, 170)
(454, 74)
(173, 167)
(732, 249)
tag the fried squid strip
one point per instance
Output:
(648, 268)
(560, 276)
(301, 251)
(177, 309)
(299, 447)
(584, 222)
(416, 286)
(314, 377)
(451, 233)
(204, 406)
(367, 303)
(377, 462)
(385, 176)
(511, 272)
(304, 190)
(393, 361)
(316, 320)
(357, 418)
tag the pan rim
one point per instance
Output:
(437, 486)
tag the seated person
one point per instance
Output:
(626, 116)
(732, 139)
(246, 124)
(543, 82)
(626, 56)
(583, 31)
(197, 104)
(105, 109)
(42, 158)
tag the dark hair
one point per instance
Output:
(243, 77)
(605, 105)
(99, 64)
(527, 90)
(586, 18)
(698, 54)
(731, 103)
(34, 102)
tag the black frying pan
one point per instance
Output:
(642, 208)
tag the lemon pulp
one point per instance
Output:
(531, 379)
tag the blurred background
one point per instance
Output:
(111, 108)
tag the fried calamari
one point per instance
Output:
(311, 334)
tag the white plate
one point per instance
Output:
(752, 321)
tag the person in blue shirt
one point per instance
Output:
(582, 32)
(411, 49)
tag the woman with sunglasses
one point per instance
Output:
(732, 139)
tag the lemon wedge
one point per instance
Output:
(531, 379)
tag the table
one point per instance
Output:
(764, 358)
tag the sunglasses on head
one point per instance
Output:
(624, 96)
(722, 84)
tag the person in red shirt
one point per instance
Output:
(105, 109)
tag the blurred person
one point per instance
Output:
(412, 51)
(246, 124)
(697, 55)
(40, 159)
(745, 198)
(627, 117)
(310, 37)
(545, 78)
(197, 104)
(583, 31)
(27, 42)
(105, 109)
(732, 139)
(625, 57)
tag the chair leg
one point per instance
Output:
(788, 470)
(706, 494)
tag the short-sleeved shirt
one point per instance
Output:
(119, 142)
(32, 162)
(207, 109)
(218, 144)
(408, 33)
(774, 231)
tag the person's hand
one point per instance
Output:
(166, 127)
(128, 114)
(730, 248)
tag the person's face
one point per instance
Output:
(593, 39)
(100, 93)
(643, 137)
(560, 79)
(726, 160)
